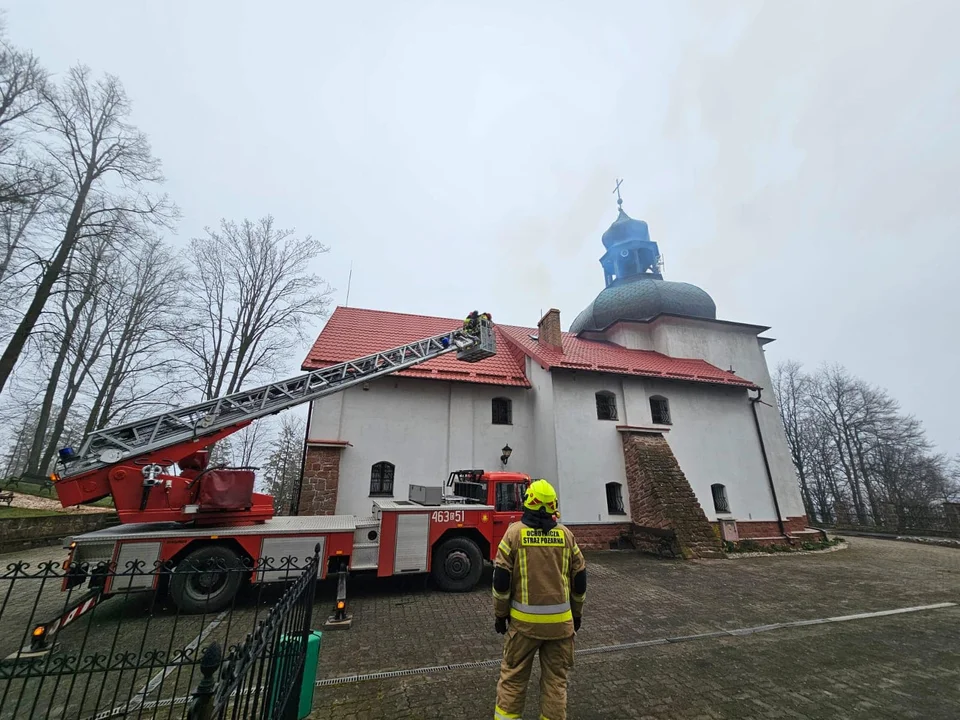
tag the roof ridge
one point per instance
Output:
(392, 312)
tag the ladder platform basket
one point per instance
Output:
(487, 347)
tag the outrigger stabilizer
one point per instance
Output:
(341, 619)
(41, 637)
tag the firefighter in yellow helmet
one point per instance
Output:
(539, 587)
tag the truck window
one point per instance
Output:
(510, 497)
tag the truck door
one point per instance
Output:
(507, 509)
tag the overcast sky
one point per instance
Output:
(798, 160)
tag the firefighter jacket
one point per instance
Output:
(539, 579)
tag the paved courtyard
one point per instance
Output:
(903, 665)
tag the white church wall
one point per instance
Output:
(778, 452)
(325, 417)
(489, 439)
(426, 428)
(589, 451)
(402, 421)
(714, 440)
(544, 457)
(734, 346)
(635, 336)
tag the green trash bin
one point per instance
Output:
(310, 663)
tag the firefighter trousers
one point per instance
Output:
(556, 659)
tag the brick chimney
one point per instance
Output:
(549, 327)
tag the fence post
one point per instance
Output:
(303, 684)
(202, 706)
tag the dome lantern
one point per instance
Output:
(635, 288)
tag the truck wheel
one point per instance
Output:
(457, 565)
(206, 580)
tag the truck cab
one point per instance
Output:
(502, 490)
(449, 531)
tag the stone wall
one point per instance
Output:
(660, 496)
(20, 533)
(767, 532)
(749, 529)
(321, 478)
(599, 536)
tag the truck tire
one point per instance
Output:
(206, 580)
(457, 565)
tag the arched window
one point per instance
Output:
(615, 499)
(606, 405)
(381, 478)
(502, 411)
(659, 410)
(720, 502)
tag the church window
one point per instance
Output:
(381, 478)
(720, 502)
(659, 410)
(606, 406)
(615, 499)
(502, 411)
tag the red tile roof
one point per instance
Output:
(593, 355)
(352, 332)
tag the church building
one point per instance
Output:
(652, 417)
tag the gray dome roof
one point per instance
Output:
(642, 297)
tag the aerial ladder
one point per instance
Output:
(134, 464)
(131, 462)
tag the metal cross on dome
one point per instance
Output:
(617, 191)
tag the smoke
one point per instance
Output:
(536, 252)
(833, 141)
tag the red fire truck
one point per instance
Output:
(176, 512)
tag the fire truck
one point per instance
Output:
(177, 512)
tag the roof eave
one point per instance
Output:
(745, 385)
(432, 375)
(758, 328)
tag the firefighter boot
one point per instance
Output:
(518, 654)
(556, 659)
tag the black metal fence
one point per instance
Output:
(937, 521)
(93, 653)
(262, 676)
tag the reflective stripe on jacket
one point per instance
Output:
(542, 565)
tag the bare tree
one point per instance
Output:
(25, 182)
(106, 168)
(19, 438)
(852, 445)
(23, 82)
(18, 246)
(251, 297)
(116, 355)
(249, 446)
(81, 302)
(282, 471)
(139, 335)
(789, 385)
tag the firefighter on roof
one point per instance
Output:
(539, 587)
(472, 323)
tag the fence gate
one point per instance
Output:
(120, 649)
(262, 677)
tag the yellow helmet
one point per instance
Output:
(541, 494)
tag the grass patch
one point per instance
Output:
(15, 512)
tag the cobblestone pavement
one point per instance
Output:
(901, 666)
